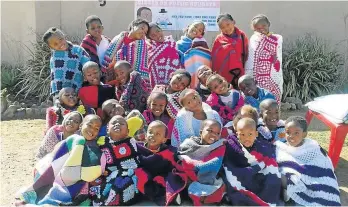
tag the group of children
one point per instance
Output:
(122, 131)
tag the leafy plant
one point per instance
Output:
(9, 77)
(310, 68)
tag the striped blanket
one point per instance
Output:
(63, 177)
(311, 180)
(251, 175)
(90, 45)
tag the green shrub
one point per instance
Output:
(310, 68)
(9, 77)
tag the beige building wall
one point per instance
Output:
(291, 19)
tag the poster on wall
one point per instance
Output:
(177, 14)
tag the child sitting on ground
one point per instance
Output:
(66, 61)
(253, 95)
(270, 126)
(223, 99)
(245, 111)
(132, 92)
(157, 176)
(67, 102)
(118, 186)
(57, 133)
(93, 92)
(95, 43)
(201, 159)
(308, 177)
(251, 171)
(110, 108)
(203, 73)
(179, 80)
(63, 177)
(157, 103)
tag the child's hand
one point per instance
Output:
(105, 173)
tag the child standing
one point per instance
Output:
(253, 95)
(118, 186)
(201, 158)
(265, 57)
(157, 103)
(203, 73)
(93, 92)
(190, 117)
(308, 176)
(193, 49)
(223, 99)
(270, 126)
(133, 91)
(251, 171)
(161, 182)
(230, 50)
(95, 43)
(66, 61)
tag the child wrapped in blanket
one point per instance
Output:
(158, 178)
(201, 158)
(117, 187)
(308, 177)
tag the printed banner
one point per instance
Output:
(177, 14)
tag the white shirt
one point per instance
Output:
(101, 49)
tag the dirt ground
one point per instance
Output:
(21, 138)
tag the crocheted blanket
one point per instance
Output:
(63, 177)
(164, 180)
(262, 94)
(202, 163)
(251, 175)
(311, 180)
(227, 113)
(271, 136)
(51, 138)
(165, 118)
(90, 45)
(265, 62)
(117, 187)
(163, 59)
(203, 91)
(186, 125)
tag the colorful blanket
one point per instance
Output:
(251, 175)
(173, 106)
(227, 113)
(66, 68)
(203, 91)
(163, 60)
(265, 62)
(163, 181)
(271, 136)
(134, 94)
(228, 55)
(202, 163)
(90, 45)
(311, 180)
(63, 177)
(123, 48)
(51, 138)
(119, 186)
(262, 94)
(165, 118)
(186, 125)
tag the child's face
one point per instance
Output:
(69, 97)
(92, 76)
(146, 14)
(203, 75)
(210, 133)
(192, 102)
(294, 134)
(248, 87)
(122, 75)
(118, 128)
(247, 135)
(158, 106)
(90, 129)
(57, 42)
(155, 136)
(219, 86)
(95, 29)
(226, 26)
(262, 28)
(72, 123)
(113, 108)
(271, 116)
(179, 82)
(156, 34)
(195, 30)
(139, 31)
